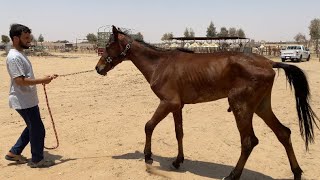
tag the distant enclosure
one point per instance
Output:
(216, 44)
(196, 44)
(209, 44)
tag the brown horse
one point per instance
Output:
(181, 77)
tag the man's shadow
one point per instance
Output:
(58, 159)
(201, 168)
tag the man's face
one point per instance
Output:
(24, 40)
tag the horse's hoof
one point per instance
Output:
(175, 165)
(148, 160)
(233, 176)
(226, 178)
(230, 178)
(297, 173)
(297, 177)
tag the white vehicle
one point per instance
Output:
(295, 53)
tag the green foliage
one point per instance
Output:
(186, 33)
(211, 30)
(92, 38)
(192, 34)
(41, 38)
(138, 36)
(233, 32)
(189, 33)
(240, 33)
(5, 39)
(62, 41)
(315, 32)
(167, 37)
(223, 32)
(300, 38)
(315, 29)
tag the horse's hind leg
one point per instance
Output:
(264, 111)
(177, 115)
(242, 110)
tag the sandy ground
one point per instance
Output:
(100, 123)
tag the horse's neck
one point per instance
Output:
(146, 60)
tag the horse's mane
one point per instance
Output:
(155, 47)
(151, 46)
(185, 50)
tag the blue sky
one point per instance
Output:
(271, 20)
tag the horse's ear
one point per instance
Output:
(115, 32)
(114, 28)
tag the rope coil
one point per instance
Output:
(54, 127)
(49, 109)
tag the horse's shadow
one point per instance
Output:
(201, 168)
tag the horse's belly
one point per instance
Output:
(192, 97)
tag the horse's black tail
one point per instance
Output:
(297, 80)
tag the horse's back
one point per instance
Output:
(208, 77)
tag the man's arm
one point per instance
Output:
(23, 81)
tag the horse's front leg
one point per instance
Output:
(164, 108)
(177, 115)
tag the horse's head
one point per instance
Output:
(115, 52)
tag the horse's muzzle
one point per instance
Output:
(99, 71)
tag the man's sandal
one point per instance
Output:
(17, 158)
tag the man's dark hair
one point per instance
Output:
(17, 29)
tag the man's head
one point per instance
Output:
(20, 36)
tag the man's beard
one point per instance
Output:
(24, 46)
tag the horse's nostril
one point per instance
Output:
(97, 69)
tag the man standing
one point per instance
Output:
(24, 99)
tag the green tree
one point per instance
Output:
(300, 38)
(62, 41)
(170, 36)
(139, 36)
(240, 33)
(167, 37)
(92, 38)
(41, 39)
(233, 32)
(164, 37)
(211, 30)
(189, 32)
(186, 33)
(223, 32)
(126, 31)
(5, 39)
(315, 32)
